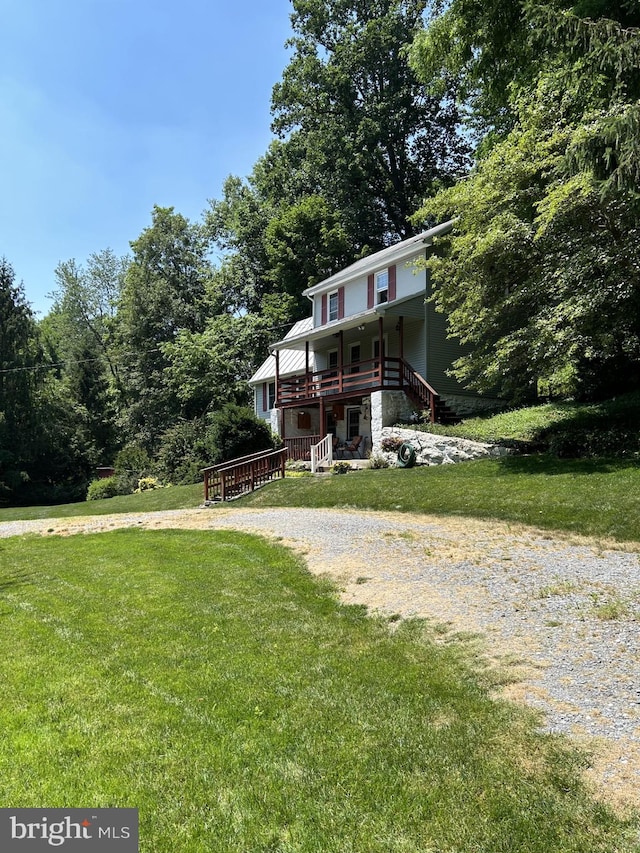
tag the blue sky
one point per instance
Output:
(108, 107)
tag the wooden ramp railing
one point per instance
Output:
(229, 480)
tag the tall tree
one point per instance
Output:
(541, 279)
(18, 359)
(43, 445)
(164, 294)
(78, 335)
(359, 147)
(87, 298)
(376, 141)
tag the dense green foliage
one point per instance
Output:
(100, 490)
(232, 699)
(18, 357)
(235, 431)
(540, 280)
(360, 144)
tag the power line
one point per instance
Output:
(54, 364)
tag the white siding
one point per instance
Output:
(409, 282)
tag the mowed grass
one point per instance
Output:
(173, 497)
(590, 497)
(209, 680)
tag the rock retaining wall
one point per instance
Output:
(437, 449)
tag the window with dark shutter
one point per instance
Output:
(392, 283)
(370, 291)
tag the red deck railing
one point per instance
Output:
(366, 376)
(299, 447)
(239, 476)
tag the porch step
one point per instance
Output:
(446, 415)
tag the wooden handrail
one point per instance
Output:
(367, 374)
(420, 389)
(235, 477)
(373, 374)
(322, 453)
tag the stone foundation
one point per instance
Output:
(468, 406)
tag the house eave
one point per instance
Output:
(336, 326)
(384, 258)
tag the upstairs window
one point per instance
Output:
(382, 287)
(333, 306)
(272, 395)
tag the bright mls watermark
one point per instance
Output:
(69, 830)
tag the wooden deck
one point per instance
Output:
(353, 379)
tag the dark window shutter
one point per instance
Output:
(370, 291)
(265, 396)
(392, 283)
(340, 303)
(324, 309)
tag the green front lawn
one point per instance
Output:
(593, 497)
(590, 497)
(174, 497)
(209, 680)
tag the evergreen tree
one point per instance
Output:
(19, 355)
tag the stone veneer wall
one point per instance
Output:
(466, 406)
(387, 407)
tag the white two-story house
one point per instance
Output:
(373, 351)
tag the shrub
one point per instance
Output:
(377, 460)
(148, 484)
(182, 454)
(297, 465)
(235, 431)
(131, 465)
(98, 490)
(591, 442)
(391, 444)
(340, 467)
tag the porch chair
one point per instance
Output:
(353, 447)
(335, 446)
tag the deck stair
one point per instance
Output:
(423, 395)
(445, 414)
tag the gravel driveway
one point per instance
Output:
(563, 614)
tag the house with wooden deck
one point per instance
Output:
(373, 351)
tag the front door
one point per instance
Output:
(353, 423)
(330, 423)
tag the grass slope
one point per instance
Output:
(590, 497)
(569, 429)
(176, 497)
(210, 681)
